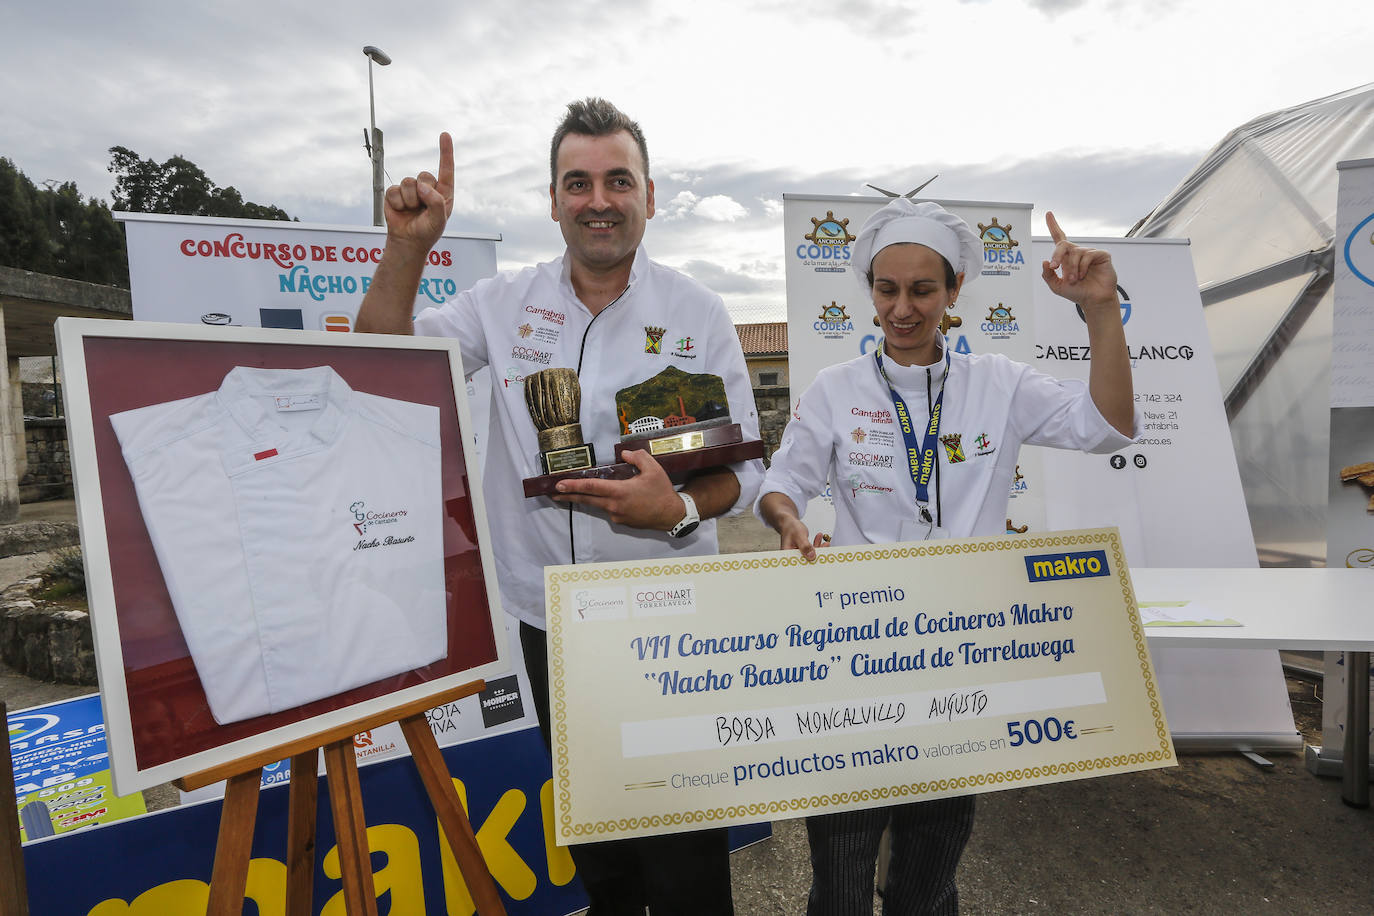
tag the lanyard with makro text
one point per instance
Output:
(920, 457)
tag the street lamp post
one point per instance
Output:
(373, 142)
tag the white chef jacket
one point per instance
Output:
(844, 430)
(298, 527)
(523, 321)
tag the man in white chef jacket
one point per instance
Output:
(617, 318)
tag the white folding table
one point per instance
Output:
(1318, 609)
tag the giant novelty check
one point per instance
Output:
(749, 687)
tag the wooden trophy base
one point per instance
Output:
(704, 448)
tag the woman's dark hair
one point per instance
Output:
(951, 277)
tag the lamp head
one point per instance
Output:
(377, 54)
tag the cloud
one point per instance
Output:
(717, 208)
(744, 278)
(883, 20)
(679, 207)
(1054, 7)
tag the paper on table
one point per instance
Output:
(1172, 614)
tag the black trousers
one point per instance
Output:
(676, 874)
(927, 840)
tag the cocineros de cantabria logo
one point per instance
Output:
(365, 518)
(828, 251)
(1084, 564)
(609, 603)
(860, 487)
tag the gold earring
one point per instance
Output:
(876, 322)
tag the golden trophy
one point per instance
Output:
(554, 399)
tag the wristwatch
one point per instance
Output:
(689, 521)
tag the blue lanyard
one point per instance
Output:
(920, 456)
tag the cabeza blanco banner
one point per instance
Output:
(271, 274)
(1175, 494)
(830, 316)
(1181, 473)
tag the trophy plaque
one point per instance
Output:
(681, 418)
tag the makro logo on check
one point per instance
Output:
(1082, 565)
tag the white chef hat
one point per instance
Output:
(924, 223)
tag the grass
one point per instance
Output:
(65, 576)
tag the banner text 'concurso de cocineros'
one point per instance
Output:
(286, 254)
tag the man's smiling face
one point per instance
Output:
(601, 199)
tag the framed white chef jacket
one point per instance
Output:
(283, 530)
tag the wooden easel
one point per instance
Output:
(244, 778)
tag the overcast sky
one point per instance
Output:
(1094, 108)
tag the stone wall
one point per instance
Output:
(42, 399)
(48, 467)
(43, 641)
(775, 408)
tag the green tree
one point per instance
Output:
(178, 186)
(54, 231)
(25, 240)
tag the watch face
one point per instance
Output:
(686, 529)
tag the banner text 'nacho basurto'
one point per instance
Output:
(731, 689)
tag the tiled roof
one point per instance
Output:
(763, 339)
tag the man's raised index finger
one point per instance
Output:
(1055, 232)
(445, 184)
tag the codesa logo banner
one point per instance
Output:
(825, 248)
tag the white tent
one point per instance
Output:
(1260, 210)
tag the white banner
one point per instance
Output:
(830, 315)
(1350, 499)
(273, 274)
(1181, 475)
(1175, 495)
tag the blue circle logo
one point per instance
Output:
(1350, 240)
